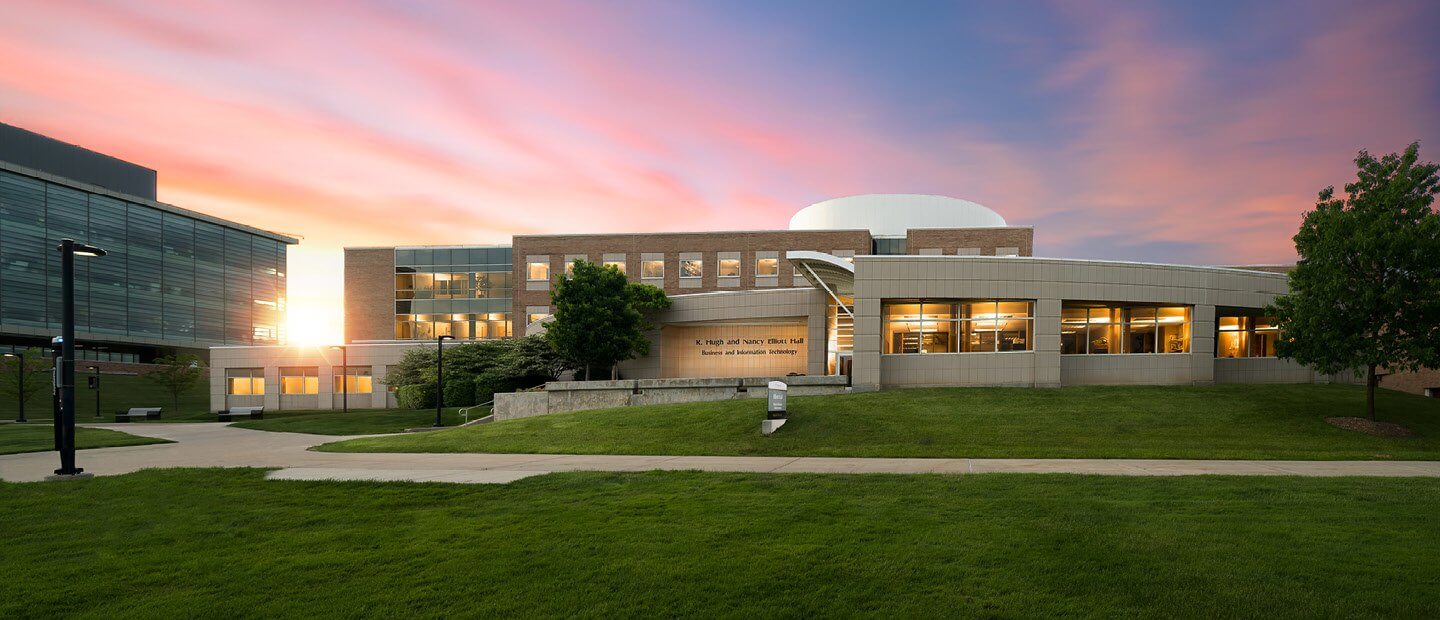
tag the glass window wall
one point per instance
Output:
(356, 381)
(952, 326)
(1100, 329)
(299, 380)
(1245, 336)
(245, 381)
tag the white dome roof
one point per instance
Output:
(890, 215)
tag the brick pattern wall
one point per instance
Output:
(369, 294)
(950, 240)
(709, 245)
(1412, 382)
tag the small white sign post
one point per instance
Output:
(775, 407)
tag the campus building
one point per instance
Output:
(172, 280)
(876, 291)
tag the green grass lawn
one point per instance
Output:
(117, 392)
(33, 437)
(356, 422)
(1219, 422)
(225, 543)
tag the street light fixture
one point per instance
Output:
(440, 377)
(20, 357)
(344, 378)
(65, 422)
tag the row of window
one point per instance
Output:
(1103, 329)
(539, 270)
(461, 326)
(982, 326)
(449, 285)
(952, 326)
(295, 380)
(430, 258)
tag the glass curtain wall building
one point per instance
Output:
(463, 292)
(171, 278)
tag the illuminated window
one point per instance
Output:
(619, 265)
(652, 269)
(537, 271)
(767, 267)
(729, 268)
(535, 316)
(945, 326)
(356, 381)
(692, 268)
(300, 380)
(1098, 329)
(1245, 336)
(245, 381)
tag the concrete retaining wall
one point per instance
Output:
(562, 396)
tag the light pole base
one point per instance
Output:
(80, 476)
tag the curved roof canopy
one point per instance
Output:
(890, 215)
(826, 271)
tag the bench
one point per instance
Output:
(138, 413)
(255, 413)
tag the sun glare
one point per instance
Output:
(313, 325)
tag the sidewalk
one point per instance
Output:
(218, 445)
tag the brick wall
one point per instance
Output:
(1412, 382)
(984, 240)
(671, 245)
(369, 294)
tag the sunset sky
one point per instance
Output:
(1195, 132)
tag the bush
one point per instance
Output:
(459, 392)
(419, 396)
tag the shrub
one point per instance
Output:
(459, 392)
(418, 396)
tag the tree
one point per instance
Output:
(1365, 293)
(502, 365)
(600, 317)
(176, 374)
(37, 375)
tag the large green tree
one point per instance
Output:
(1365, 294)
(600, 317)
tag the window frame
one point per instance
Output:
(1121, 324)
(961, 321)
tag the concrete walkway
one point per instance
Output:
(218, 445)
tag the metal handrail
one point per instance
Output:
(465, 411)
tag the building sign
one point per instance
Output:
(728, 350)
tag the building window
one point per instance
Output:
(300, 380)
(1245, 336)
(692, 268)
(1098, 329)
(245, 381)
(890, 245)
(356, 381)
(729, 268)
(652, 269)
(537, 271)
(767, 267)
(619, 265)
(950, 326)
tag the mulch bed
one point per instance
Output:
(1364, 425)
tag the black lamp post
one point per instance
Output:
(344, 378)
(95, 385)
(440, 377)
(20, 357)
(69, 249)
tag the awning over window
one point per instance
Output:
(826, 271)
